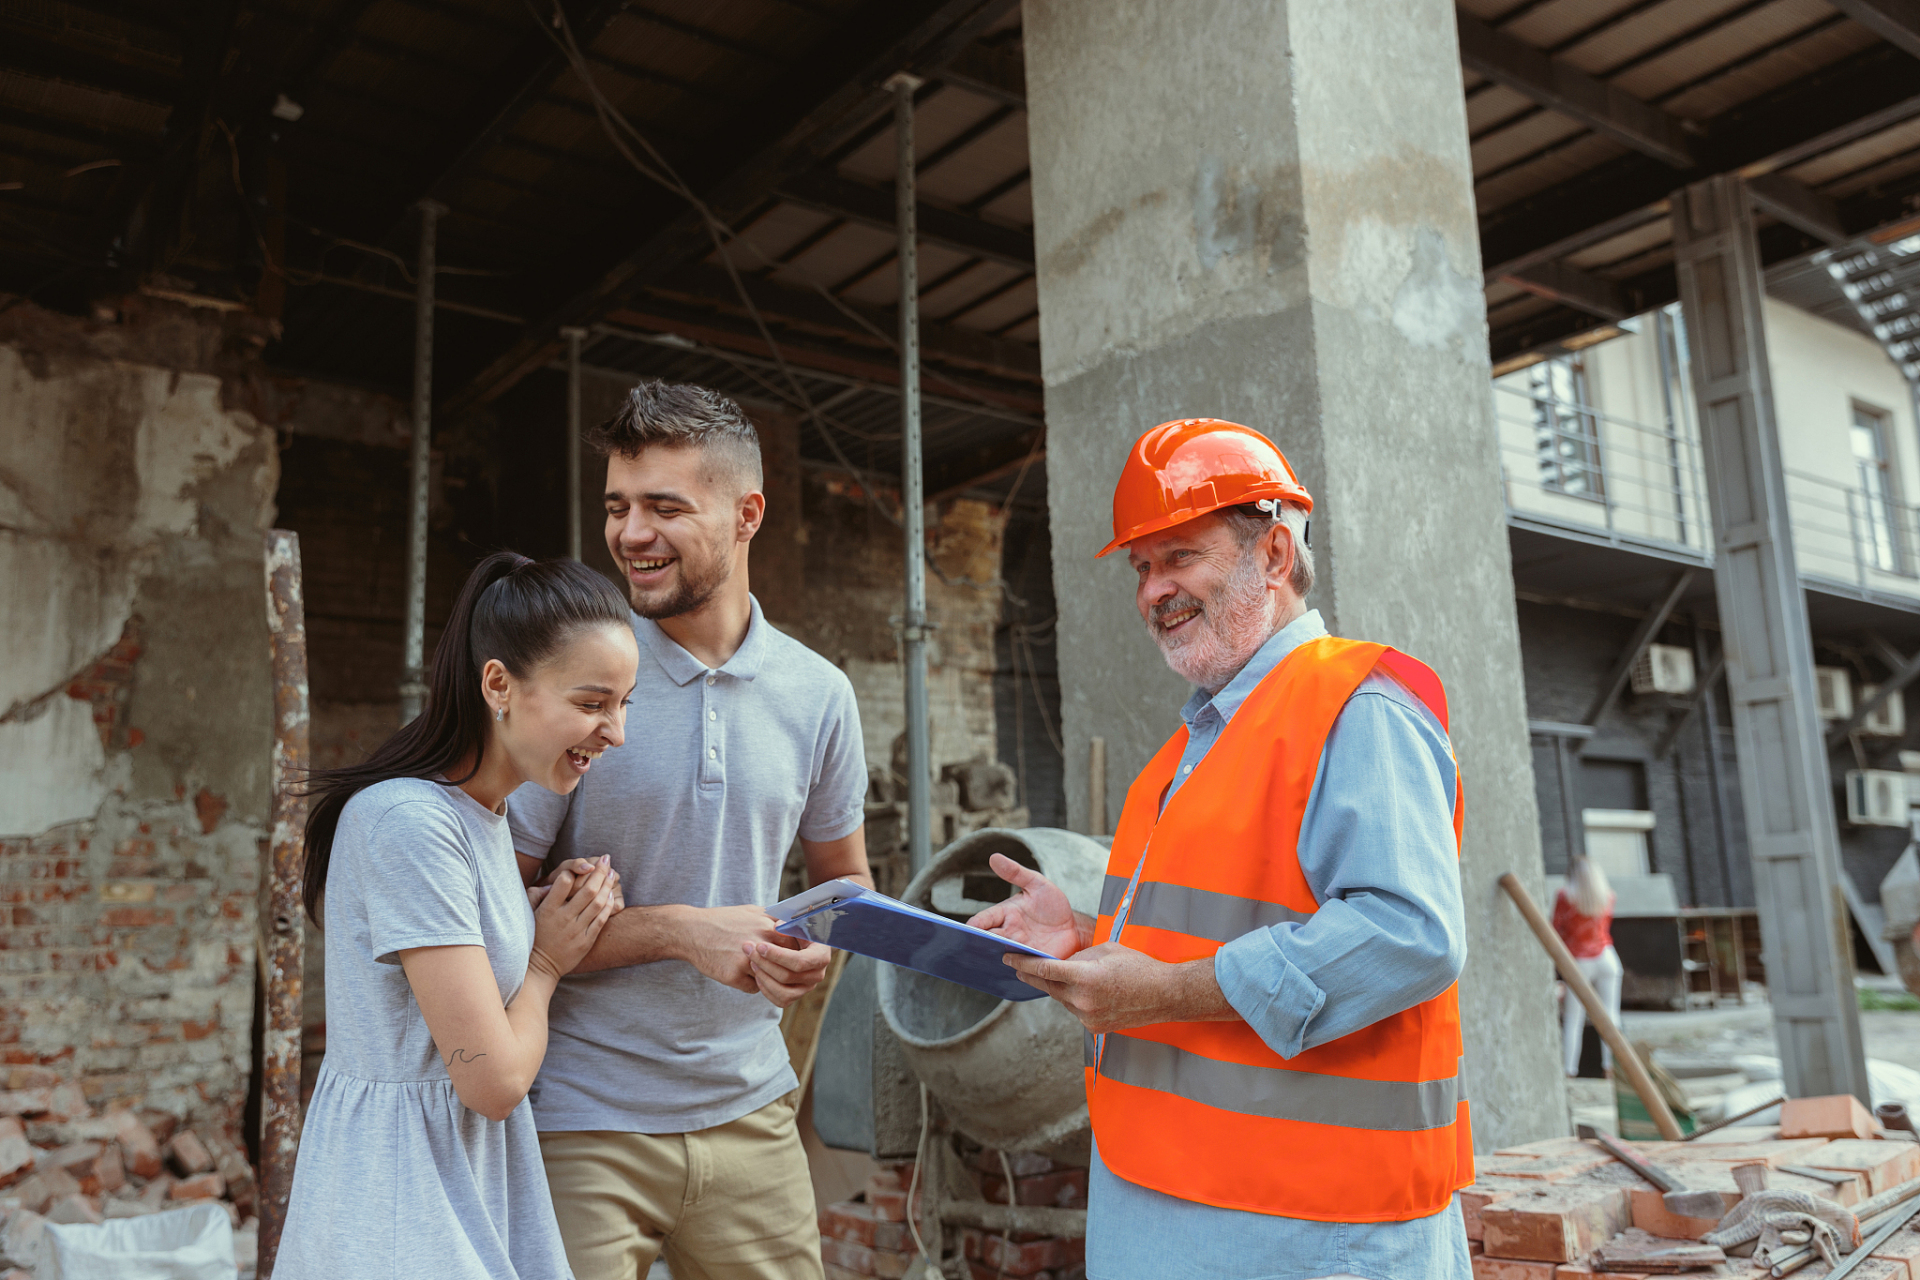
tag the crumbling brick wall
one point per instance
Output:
(135, 708)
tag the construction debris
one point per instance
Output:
(70, 1166)
(1563, 1208)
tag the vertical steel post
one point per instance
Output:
(283, 936)
(1784, 782)
(573, 336)
(413, 689)
(913, 634)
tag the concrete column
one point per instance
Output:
(1264, 212)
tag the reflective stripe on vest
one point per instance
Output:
(1370, 1127)
(1282, 1095)
(1219, 917)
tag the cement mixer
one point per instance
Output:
(1006, 1073)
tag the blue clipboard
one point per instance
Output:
(851, 917)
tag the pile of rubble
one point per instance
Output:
(61, 1163)
(869, 1236)
(1566, 1208)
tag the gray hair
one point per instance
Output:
(680, 416)
(1249, 523)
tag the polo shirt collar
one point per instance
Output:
(683, 668)
(1308, 626)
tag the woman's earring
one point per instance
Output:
(499, 713)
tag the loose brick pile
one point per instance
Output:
(61, 1163)
(1541, 1211)
(869, 1236)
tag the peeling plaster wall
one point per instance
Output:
(135, 708)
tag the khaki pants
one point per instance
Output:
(734, 1202)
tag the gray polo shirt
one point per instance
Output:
(720, 771)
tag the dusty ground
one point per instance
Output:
(1700, 1036)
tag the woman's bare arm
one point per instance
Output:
(492, 1053)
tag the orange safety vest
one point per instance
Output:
(1371, 1127)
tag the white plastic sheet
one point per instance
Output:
(195, 1243)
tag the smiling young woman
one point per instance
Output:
(419, 1155)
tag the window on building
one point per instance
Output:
(1874, 502)
(1566, 433)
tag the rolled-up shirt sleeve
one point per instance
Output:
(1377, 849)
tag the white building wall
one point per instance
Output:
(1820, 371)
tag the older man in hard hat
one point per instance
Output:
(1273, 1039)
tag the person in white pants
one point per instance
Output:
(1583, 917)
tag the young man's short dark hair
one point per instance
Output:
(682, 415)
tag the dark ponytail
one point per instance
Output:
(518, 610)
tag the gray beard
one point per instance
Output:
(1236, 622)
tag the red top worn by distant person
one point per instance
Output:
(1585, 936)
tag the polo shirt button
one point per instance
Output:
(711, 677)
(713, 715)
(713, 753)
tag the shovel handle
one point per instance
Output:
(1582, 990)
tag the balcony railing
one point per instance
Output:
(1574, 465)
(1843, 533)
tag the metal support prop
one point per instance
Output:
(1643, 635)
(1791, 834)
(573, 335)
(283, 938)
(413, 689)
(913, 635)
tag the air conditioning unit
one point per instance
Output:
(1889, 719)
(1664, 668)
(1876, 798)
(1833, 691)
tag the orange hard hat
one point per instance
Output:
(1183, 469)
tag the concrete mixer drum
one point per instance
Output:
(1007, 1073)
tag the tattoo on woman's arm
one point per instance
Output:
(462, 1057)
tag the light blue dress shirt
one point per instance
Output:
(1376, 847)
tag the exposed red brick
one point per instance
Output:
(209, 807)
(888, 1206)
(75, 1209)
(17, 1155)
(44, 1187)
(1061, 1189)
(189, 1155)
(1837, 1115)
(138, 1146)
(1020, 1257)
(853, 1221)
(107, 683)
(202, 1186)
(889, 1264)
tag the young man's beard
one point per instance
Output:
(1232, 626)
(694, 590)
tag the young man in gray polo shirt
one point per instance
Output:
(666, 1102)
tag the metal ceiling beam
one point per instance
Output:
(1560, 86)
(873, 206)
(829, 93)
(818, 355)
(1567, 284)
(511, 88)
(990, 72)
(1803, 117)
(1895, 21)
(938, 341)
(24, 49)
(1798, 205)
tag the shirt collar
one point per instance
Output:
(683, 668)
(1308, 626)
